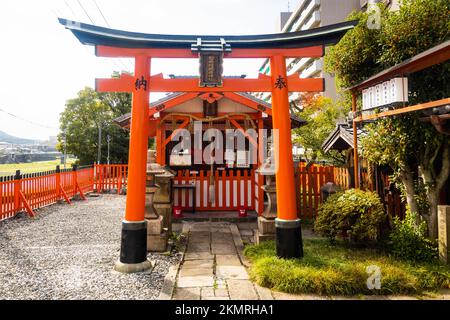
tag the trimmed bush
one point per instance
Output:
(409, 242)
(355, 213)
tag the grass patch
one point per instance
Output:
(338, 269)
(31, 167)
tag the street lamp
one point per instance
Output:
(108, 140)
(65, 148)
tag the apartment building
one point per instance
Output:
(311, 14)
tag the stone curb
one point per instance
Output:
(168, 286)
(239, 245)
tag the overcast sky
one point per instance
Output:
(42, 64)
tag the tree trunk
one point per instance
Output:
(433, 200)
(435, 183)
(408, 181)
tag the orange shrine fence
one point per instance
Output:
(231, 190)
(30, 191)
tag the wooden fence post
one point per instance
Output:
(74, 179)
(58, 182)
(17, 189)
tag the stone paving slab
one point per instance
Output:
(263, 293)
(219, 248)
(241, 290)
(227, 260)
(232, 272)
(197, 248)
(221, 292)
(195, 281)
(216, 298)
(207, 292)
(198, 264)
(198, 256)
(187, 294)
(192, 272)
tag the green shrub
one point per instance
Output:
(409, 240)
(355, 213)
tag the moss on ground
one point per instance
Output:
(339, 269)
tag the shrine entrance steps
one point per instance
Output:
(217, 216)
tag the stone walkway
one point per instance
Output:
(212, 268)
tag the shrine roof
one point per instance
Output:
(96, 35)
(341, 138)
(124, 120)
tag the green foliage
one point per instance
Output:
(409, 240)
(355, 212)
(339, 270)
(404, 143)
(387, 144)
(321, 114)
(354, 58)
(81, 119)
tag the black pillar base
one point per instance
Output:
(133, 247)
(289, 238)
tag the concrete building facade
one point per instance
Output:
(311, 14)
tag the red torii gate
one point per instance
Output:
(144, 47)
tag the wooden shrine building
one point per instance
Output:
(235, 180)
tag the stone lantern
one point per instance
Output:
(266, 222)
(157, 235)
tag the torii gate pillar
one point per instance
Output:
(287, 224)
(133, 248)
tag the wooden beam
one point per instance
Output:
(261, 84)
(172, 103)
(250, 138)
(182, 126)
(122, 84)
(114, 52)
(158, 83)
(418, 107)
(248, 102)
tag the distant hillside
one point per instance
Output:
(4, 137)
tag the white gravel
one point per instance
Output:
(68, 252)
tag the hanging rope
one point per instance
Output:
(210, 120)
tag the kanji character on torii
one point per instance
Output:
(211, 50)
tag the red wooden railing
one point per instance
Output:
(27, 192)
(232, 190)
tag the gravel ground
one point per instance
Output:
(68, 252)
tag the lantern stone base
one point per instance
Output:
(165, 211)
(155, 226)
(260, 237)
(265, 225)
(157, 242)
(266, 230)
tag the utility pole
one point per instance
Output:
(99, 154)
(65, 148)
(108, 140)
